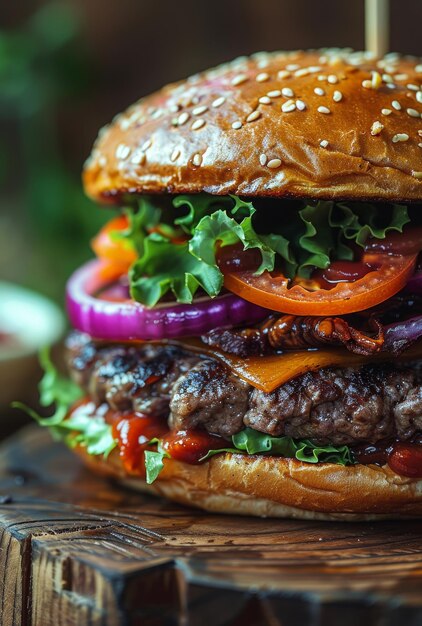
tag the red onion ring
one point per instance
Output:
(402, 335)
(128, 320)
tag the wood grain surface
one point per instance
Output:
(77, 551)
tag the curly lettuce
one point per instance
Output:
(178, 255)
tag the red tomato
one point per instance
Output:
(117, 253)
(387, 275)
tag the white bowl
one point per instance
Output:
(32, 321)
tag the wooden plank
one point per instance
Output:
(76, 550)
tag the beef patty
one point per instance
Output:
(338, 406)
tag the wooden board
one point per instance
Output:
(77, 551)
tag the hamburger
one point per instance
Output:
(248, 338)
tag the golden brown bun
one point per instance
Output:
(182, 139)
(276, 487)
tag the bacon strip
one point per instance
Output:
(291, 332)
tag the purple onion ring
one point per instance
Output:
(130, 320)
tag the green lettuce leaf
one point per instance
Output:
(302, 239)
(165, 267)
(250, 441)
(89, 431)
(55, 390)
(154, 461)
(254, 442)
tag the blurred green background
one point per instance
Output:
(67, 67)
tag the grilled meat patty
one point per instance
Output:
(338, 406)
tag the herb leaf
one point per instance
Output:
(87, 430)
(254, 442)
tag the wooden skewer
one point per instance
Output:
(377, 26)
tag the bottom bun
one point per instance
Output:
(268, 486)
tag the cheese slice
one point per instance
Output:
(269, 372)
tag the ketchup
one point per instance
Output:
(341, 272)
(406, 460)
(133, 433)
(406, 243)
(190, 446)
(235, 259)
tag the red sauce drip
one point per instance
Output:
(373, 453)
(190, 446)
(342, 272)
(133, 433)
(406, 460)
(235, 259)
(406, 243)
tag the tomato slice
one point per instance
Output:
(273, 291)
(115, 250)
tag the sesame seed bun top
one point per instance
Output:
(318, 124)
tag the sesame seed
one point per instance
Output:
(138, 157)
(419, 96)
(387, 78)
(396, 105)
(218, 102)
(236, 125)
(413, 112)
(174, 108)
(274, 163)
(412, 87)
(253, 116)
(198, 124)
(386, 111)
(175, 155)
(287, 92)
(417, 175)
(302, 72)
(332, 79)
(313, 69)
(183, 118)
(391, 85)
(199, 110)
(319, 91)
(300, 105)
(322, 77)
(239, 79)
(261, 78)
(337, 96)
(288, 106)
(420, 133)
(418, 69)
(400, 137)
(292, 67)
(263, 159)
(102, 161)
(122, 151)
(367, 84)
(275, 93)
(376, 128)
(265, 100)
(323, 143)
(197, 159)
(283, 74)
(324, 110)
(401, 76)
(147, 144)
(420, 145)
